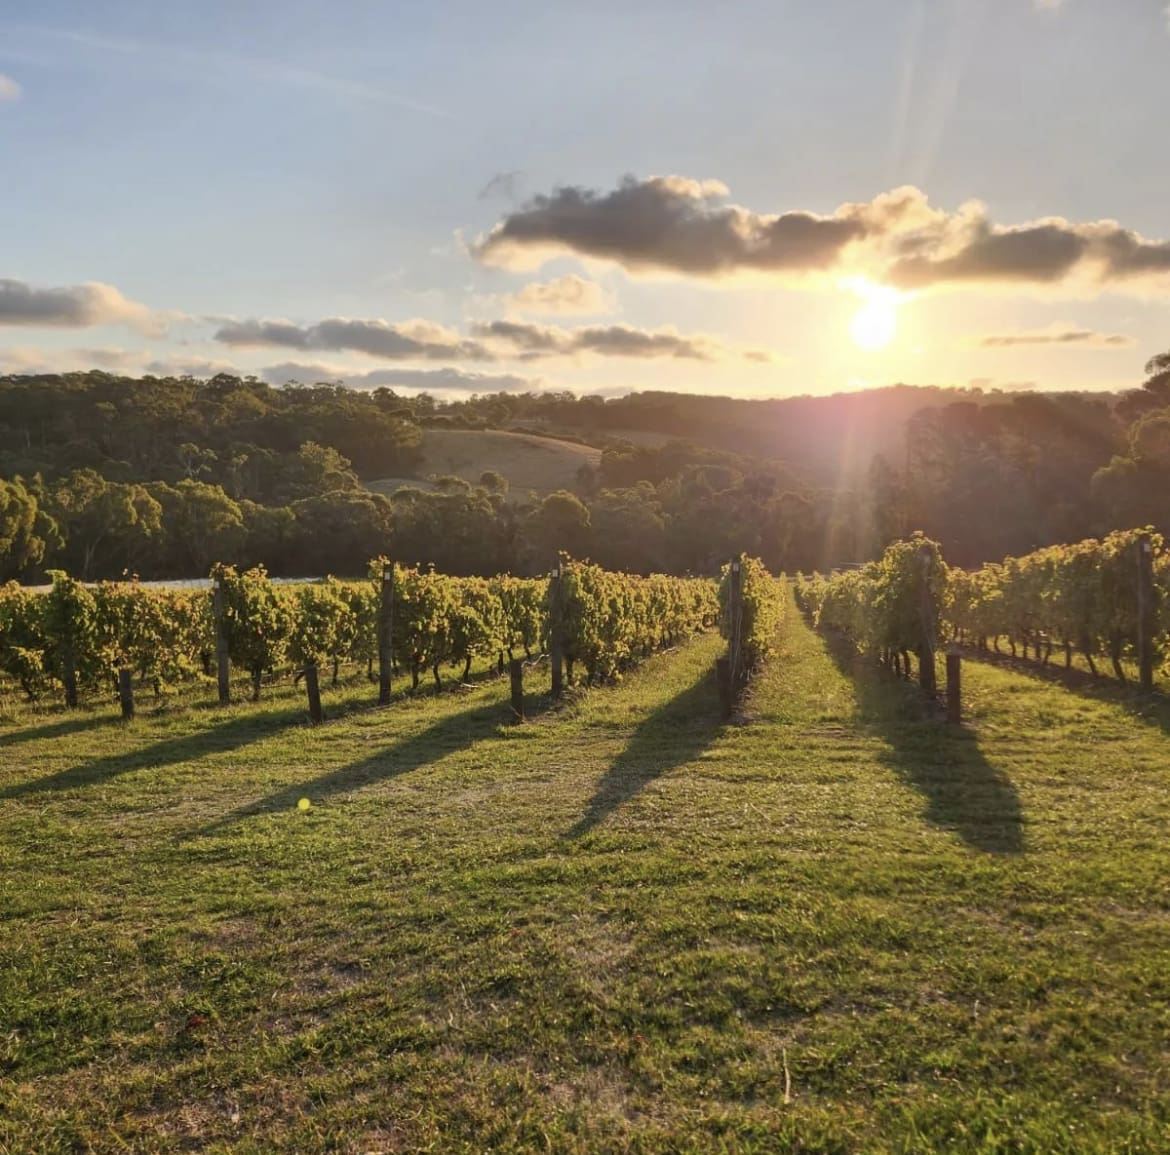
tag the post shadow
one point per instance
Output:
(674, 734)
(964, 792)
(448, 735)
(232, 735)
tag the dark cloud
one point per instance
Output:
(70, 307)
(411, 340)
(1085, 338)
(687, 228)
(1042, 254)
(669, 223)
(426, 380)
(525, 338)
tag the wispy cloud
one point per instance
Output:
(489, 340)
(403, 341)
(258, 68)
(1057, 334)
(9, 89)
(565, 296)
(23, 359)
(503, 184)
(446, 380)
(530, 342)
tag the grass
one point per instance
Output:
(839, 927)
(530, 463)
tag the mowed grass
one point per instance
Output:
(840, 926)
(530, 463)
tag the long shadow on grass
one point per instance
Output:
(673, 735)
(450, 734)
(231, 735)
(963, 791)
(58, 729)
(1152, 709)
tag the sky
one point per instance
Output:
(748, 198)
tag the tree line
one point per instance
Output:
(104, 476)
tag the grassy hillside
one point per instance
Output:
(621, 927)
(529, 462)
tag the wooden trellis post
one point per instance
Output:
(223, 667)
(954, 687)
(926, 674)
(556, 653)
(1145, 615)
(516, 669)
(126, 693)
(385, 633)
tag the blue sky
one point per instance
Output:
(214, 167)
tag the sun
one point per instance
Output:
(875, 324)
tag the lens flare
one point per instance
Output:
(875, 324)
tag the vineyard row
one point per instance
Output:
(1107, 598)
(80, 638)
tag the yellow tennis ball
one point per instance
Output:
(304, 804)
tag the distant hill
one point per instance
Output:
(829, 440)
(529, 462)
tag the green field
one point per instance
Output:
(530, 463)
(621, 927)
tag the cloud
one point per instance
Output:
(72, 307)
(531, 342)
(489, 340)
(111, 358)
(569, 295)
(685, 228)
(9, 89)
(23, 359)
(425, 380)
(1057, 335)
(668, 223)
(503, 184)
(190, 367)
(407, 341)
(1049, 5)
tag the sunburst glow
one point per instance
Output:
(875, 324)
